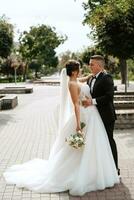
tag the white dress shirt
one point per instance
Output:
(92, 86)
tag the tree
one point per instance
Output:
(39, 44)
(6, 37)
(113, 26)
(12, 66)
(64, 57)
(88, 52)
(35, 65)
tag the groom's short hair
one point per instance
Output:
(99, 58)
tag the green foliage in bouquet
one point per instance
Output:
(82, 124)
(77, 140)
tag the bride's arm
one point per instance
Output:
(74, 91)
(85, 79)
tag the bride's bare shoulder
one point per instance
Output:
(73, 85)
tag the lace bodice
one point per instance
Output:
(84, 90)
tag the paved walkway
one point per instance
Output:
(23, 136)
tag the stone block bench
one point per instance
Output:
(16, 90)
(8, 102)
(47, 82)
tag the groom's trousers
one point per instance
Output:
(109, 129)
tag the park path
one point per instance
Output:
(23, 136)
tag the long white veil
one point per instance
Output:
(65, 102)
(65, 111)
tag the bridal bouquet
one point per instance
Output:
(77, 140)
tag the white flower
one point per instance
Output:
(77, 138)
(76, 141)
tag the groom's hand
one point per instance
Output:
(87, 102)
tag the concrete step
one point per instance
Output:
(125, 119)
(123, 93)
(124, 104)
(124, 97)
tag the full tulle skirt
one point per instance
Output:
(78, 171)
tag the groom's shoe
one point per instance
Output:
(118, 171)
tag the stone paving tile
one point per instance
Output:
(20, 142)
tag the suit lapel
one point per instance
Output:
(100, 75)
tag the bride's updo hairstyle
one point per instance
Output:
(72, 66)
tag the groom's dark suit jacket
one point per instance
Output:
(103, 92)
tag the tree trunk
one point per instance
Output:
(124, 71)
(123, 68)
(24, 76)
(36, 74)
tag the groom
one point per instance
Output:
(102, 92)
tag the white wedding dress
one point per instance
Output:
(75, 170)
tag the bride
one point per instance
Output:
(78, 171)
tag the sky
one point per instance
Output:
(65, 15)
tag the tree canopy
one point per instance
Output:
(112, 22)
(40, 44)
(6, 37)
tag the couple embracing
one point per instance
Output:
(92, 167)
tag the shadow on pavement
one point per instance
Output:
(4, 119)
(123, 192)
